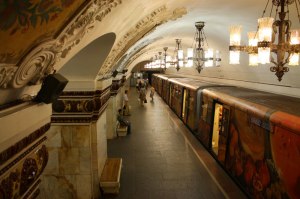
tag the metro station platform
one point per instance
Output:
(162, 159)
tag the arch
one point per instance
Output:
(86, 63)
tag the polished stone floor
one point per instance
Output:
(161, 159)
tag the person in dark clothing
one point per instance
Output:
(122, 121)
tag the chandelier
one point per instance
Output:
(273, 35)
(200, 55)
(203, 55)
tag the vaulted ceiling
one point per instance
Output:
(87, 40)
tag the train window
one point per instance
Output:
(184, 103)
(217, 125)
(204, 111)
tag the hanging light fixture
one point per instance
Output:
(273, 36)
(201, 55)
(179, 62)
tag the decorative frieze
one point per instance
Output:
(22, 144)
(114, 89)
(18, 176)
(6, 74)
(80, 106)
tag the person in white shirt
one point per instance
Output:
(126, 104)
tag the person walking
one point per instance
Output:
(152, 90)
(126, 103)
(142, 95)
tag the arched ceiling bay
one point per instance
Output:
(85, 64)
(142, 28)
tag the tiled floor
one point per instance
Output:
(161, 159)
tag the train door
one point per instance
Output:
(220, 131)
(184, 105)
(170, 94)
(167, 92)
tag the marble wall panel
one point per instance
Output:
(53, 163)
(54, 136)
(85, 160)
(58, 187)
(101, 143)
(111, 117)
(69, 163)
(84, 186)
(81, 136)
(66, 136)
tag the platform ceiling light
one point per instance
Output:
(200, 55)
(156, 62)
(273, 36)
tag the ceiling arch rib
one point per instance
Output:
(139, 30)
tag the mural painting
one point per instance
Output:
(28, 22)
(249, 157)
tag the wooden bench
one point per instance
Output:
(121, 130)
(110, 177)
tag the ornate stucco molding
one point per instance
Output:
(115, 87)
(80, 106)
(40, 61)
(139, 30)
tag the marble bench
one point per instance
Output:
(121, 130)
(110, 177)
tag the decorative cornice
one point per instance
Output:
(39, 62)
(115, 87)
(10, 104)
(22, 144)
(80, 106)
(139, 30)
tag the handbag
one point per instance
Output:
(145, 100)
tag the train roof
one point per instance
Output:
(194, 84)
(276, 102)
(166, 76)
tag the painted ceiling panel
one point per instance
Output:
(26, 23)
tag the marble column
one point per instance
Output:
(77, 145)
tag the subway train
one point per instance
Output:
(253, 135)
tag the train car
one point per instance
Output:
(154, 81)
(165, 88)
(159, 84)
(191, 99)
(256, 137)
(176, 95)
(162, 85)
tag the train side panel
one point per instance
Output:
(176, 99)
(285, 147)
(262, 155)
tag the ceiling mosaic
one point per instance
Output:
(27, 23)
